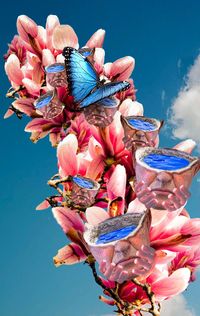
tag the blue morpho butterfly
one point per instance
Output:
(84, 83)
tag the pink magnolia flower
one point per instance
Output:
(73, 227)
(68, 219)
(37, 47)
(81, 129)
(13, 70)
(40, 127)
(72, 163)
(99, 154)
(16, 47)
(27, 28)
(64, 35)
(189, 258)
(97, 39)
(129, 107)
(161, 284)
(116, 193)
(112, 146)
(69, 254)
(175, 233)
(121, 69)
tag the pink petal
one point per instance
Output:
(41, 37)
(43, 205)
(64, 35)
(107, 68)
(99, 56)
(38, 125)
(47, 57)
(26, 28)
(32, 59)
(97, 39)
(94, 148)
(115, 134)
(126, 289)
(191, 227)
(55, 139)
(25, 105)
(158, 217)
(164, 256)
(122, 68)
(176, 283)
(8, 113)
(66, 153)
(32, 87)
(187, 146)
(68, 219)
(60, 58)
(129, 107)
(168, 228)
(13, 71)
(117, 184)
(106, 300)
(69, 254)
(108, 283)
(83, 164)
(95, 168)
(35, 136)
(136, 206)
(52, 22)
(33, 69)
(96, 215)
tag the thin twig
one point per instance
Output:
(113, 294)
(11, 92)
(147, 288)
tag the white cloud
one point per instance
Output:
(179, 63)
(176, 306)
(184, 115)
(163, 96)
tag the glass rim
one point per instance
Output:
(96, 184)
(49, 66)
(92, 234)
(157, 123)
(42, 97)
(144, 151)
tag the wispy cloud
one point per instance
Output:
(184, 115)
(176, 306)
(163, 96)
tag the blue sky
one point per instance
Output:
(164, 39)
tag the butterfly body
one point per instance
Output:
(84, 83)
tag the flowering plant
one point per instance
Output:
(97, 179)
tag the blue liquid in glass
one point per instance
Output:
(44, 101)
(84, 183)
(141, 125)
(55, 68)
(115, 235)
(165, 162)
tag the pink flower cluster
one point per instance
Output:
(100, 155)
(175, 236)
(34, 49)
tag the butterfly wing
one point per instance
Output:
(107, 102)
(87, 52)
(82, 77)
(105, 91)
